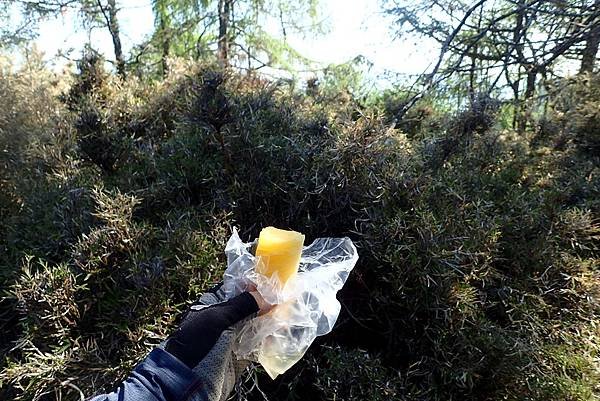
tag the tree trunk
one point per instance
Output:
(529, 91)
(472, 81)
(530, 85)
(514, 85)
(113, 27)
(588, 59)
(166, 45)
(518, 34)
(224, 17)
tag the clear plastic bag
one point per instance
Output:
(306, 307)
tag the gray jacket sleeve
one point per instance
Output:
(195, 362)
(159, 377)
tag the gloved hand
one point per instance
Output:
(205, 338)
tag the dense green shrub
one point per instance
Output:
(479, 246)
(353, 374)
(575, 108)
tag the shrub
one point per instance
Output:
(575, 107)
(478, 269)
(353, 374)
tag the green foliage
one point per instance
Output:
(191, 29)
(91, 77)
(178, 28)
(575, 109)
(340, 83)
(353, 374)
(478, 276)
(255, 47)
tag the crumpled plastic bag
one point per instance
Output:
(306, 307)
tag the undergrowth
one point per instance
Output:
(478, 270)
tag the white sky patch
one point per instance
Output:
(66, 34)
(358, 27)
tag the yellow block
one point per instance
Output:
(279, 251)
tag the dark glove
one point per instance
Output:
(201, 328)
(205, 337)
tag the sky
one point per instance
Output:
(356, 27)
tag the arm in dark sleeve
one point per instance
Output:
(167, 375)
(159, 377)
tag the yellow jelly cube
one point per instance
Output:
(279, 251)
